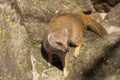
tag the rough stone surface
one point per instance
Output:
(112, 2)
(113, 16)
(104, 5)
(15, 61)
(22, 24)
(98, 60)
(36, 13)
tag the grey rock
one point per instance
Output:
(104, 5)
(22, 24)
(98, 60)
(14, 46)
(113, 16)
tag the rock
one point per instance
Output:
(96, 59)
(113, 16)
(99, 57)
(104, 5)
(40, 68)
(36, 13)
(15, 61)
(43, 10)
(22, 24)
(111, 21)
(22, 28)
(112, 2)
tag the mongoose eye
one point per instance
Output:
(59, 43)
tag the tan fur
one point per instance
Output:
(65, 29)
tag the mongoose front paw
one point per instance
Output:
(65, 72)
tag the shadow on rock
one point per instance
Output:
(56, 60)
(105, 61)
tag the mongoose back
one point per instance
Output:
(68, 29)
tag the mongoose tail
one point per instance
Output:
(93, 25)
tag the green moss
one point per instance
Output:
(8, 20)
(39, 68)
(40, 78)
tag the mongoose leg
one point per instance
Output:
(64, 60)
(77, 49)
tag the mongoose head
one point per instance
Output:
(59, 40)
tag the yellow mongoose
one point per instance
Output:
(68, 29)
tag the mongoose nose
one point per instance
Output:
(67, 50)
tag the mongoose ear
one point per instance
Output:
(50, 36)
